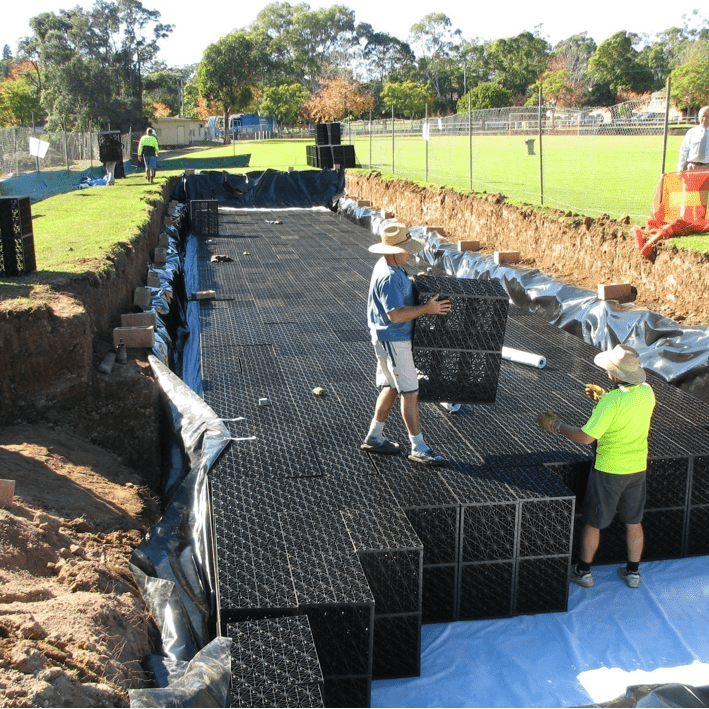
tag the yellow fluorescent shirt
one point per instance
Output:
(620, 423)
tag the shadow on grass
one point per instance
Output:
(20, 286)
(216, 163)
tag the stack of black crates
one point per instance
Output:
(328, 150)
(458, 357)
(274, 663)
(204, 217)
(17, 256)
(369, 547)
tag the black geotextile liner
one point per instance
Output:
(300, 188)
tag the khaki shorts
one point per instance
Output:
(395, 366)
(607, 493)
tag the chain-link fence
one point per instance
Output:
(591, 161)
(71, 151)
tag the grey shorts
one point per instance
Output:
(151, 162)
(395, 366)
(607, 494)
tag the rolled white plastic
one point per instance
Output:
(521, 357)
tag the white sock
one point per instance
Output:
(376, 432)
(417, 443)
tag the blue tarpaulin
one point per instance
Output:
(611, 638)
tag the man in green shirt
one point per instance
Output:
(148, 149)
(620, 424)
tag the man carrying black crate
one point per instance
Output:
(391, 311)
(620, 423)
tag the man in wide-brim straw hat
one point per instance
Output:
(620, 423)
(391, 311)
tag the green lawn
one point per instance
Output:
(272, 154)
(79, 231)
(588, 174)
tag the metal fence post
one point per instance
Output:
(66, 149)
(370, 139)
(426, 139)
(541, 152)
(470, 142)
(666, 128)
(392, 140)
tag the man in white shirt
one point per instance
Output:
(694, 153)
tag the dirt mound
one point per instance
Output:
(576, 249)
(73, 627)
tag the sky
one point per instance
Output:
(197, 26)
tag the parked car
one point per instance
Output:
(649, 117)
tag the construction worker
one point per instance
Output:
(391, 312)
(620, 423)
(148, 149)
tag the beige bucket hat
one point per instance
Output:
(395, 240)
(622, 362)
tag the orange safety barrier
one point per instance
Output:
(678, 209)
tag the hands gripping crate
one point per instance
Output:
(458, 355)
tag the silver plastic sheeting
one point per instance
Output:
(680, 355)
(174, 566)
(201, 682)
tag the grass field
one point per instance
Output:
(588, 174)
(78, 231)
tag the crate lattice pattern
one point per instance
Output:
(493, 527)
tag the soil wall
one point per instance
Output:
(568, 246)
(51, 347)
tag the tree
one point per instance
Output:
(165, 86)
(408, 98)
(555, 87)
(435, 39)
(382, 53)
(6, 53)
(485, 95)
(284, 103)
(338, 99)
(519, 61)
(229, 72)
(615, 65)
(18, 102)
(571, 56)
(89, 65)
(474, 56)
(308, 44)
(690, 80)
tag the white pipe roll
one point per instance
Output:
(521, 357)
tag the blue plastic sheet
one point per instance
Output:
(611, 638)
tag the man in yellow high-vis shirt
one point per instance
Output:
(620, 423)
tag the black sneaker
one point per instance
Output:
(384, 448)
(582, 578)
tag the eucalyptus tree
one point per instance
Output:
(89, 64)
(435, 41)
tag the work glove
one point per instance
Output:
(594, 392)
(546, 421)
